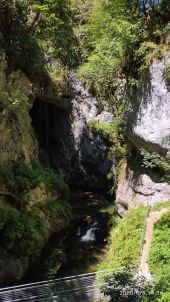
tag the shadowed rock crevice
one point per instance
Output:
(79, 154)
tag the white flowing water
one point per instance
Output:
(90, 235)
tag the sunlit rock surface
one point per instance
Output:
(136, 187)
(148, 127)
(149, 124)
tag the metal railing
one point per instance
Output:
(82, 287)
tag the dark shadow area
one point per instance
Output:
(84, 162)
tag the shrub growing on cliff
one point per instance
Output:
(154, 160)
(25, 233)
(19, 178)
(58, 212)
(112, 133)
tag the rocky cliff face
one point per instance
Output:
(17, 135)
(148, 127)
(26, 220)
(72, 148)
(149, 123)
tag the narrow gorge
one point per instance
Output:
(84, 150)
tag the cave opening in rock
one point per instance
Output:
(51, 124)
(67, 145)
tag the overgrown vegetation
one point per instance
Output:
(25, 229)
(16, 100)
(122, 286)
(33, 33)
(160, 257)
(112, 133)
(123, 39)
(19, 178)
(126, 240)
(108, 39)
(111, 43)
(122, 259)
(154, 160)
(24, 233)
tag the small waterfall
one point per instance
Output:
(90, 235)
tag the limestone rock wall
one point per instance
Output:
(137, 186)
(148, 127)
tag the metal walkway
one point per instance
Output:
(78, 288)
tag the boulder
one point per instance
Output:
(137, 186)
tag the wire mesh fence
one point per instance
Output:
(85, 287)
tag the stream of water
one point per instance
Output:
(86, 242)
(83, 246)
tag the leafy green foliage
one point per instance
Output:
(160, 256)
(20, 46)
(27, 26)
(122, 286)
(20, 178)
(115, 31)
(122, 39)
(151, 160)
(154, 160)
(15, 99)
(112, 133)
(103, 128)
(147, 52)
(126, 240)
(117, 283)
(58, 211)
(161, 205)
(124, 252)
(54, 25)
(24, 233)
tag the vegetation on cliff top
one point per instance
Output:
(108, 39)
(122, 38)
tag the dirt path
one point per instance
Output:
(151, 220)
